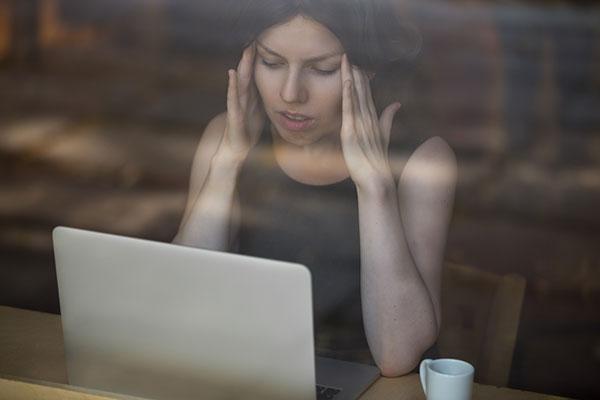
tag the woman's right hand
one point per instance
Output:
(245, 114)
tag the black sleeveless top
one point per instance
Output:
(316, 226)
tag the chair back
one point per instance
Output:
(480, 320)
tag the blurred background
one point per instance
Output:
(102, 103)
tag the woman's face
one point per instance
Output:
(297, 73)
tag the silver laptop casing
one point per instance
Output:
(162, 321)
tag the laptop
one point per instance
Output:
(163, 321)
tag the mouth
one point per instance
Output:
(295, 121)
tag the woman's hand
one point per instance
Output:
(365, 137)
(245, 114)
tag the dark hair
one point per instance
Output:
(370, 30)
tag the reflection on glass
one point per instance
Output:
(104, 102)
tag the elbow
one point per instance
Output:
(401, 361)
(394, 369)
(393, 366)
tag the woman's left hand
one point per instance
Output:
(365, 136)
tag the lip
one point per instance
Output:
(294, 125)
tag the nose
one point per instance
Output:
(293, 89)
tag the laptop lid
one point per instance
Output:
(163, 321)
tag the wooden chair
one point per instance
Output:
(480, 320)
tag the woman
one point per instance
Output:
(305, 76)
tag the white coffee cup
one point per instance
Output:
(446, 379)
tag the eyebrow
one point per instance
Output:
(312, 59)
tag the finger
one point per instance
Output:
(360, 91)
(244, 74)
(348, 76)
(244, 67)
(370, 101)
(252, 91)
(386, 120)
(346, 73)
(350, 143)
(351, 104)
(347, 111)
(354, 95)
(233, 105)
(370, 118)
(363, 123)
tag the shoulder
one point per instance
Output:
(435, 149)
(433, 162)
(215, 128)
(211, 137)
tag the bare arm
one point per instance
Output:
(403, 234)
(209, 221)
(402, 228)
(211, 215)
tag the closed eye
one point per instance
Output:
(270, 64)
(323, 71)
(320, 71)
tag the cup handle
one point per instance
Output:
(423, 373)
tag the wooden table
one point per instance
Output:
(32, 366)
